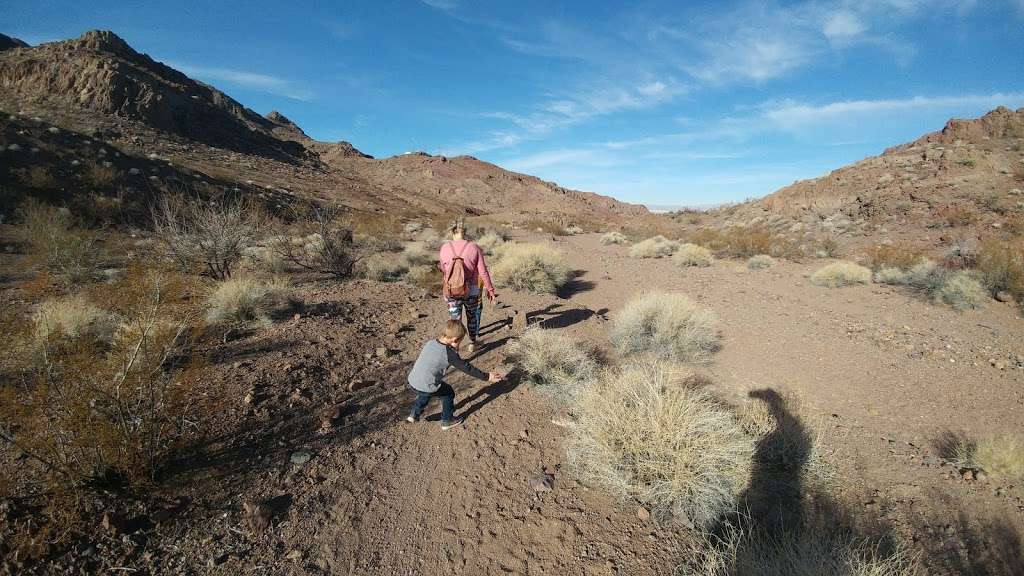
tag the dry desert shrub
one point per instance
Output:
(72, 318)
(842, 273)
(99, 177)
(654, 247)
(412, 227)
(250, 300)
(646, 432)
(1003, 456)
(70, 253)
(95, 407)
(426, 277)
(668, 326)
(573, 230)
(490, 241)
(418, 254)
(956, 448)
(744, 242)
(554, 362)
(819, 549)
(961, 291)
(893, 276)
(956, 215)
(1001, 264)
(39, 178)
(383, 267)
(614, 238)
(760, 261)
(205, 236)
(329, 249)
(536, 268)
(692, 255)
(890, 256)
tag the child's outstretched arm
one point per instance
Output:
(455, 360)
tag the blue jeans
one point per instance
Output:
(447, 395)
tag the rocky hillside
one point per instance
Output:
(959, 184)
(99, 88)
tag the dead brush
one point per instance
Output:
(1001, 264)
(91, 408)
(205, 236)
(553, 362)
(329, 248)
(38, 178)
(647, 432)
(892, 256)
(668, 326)
(70, 253)
(100, 177)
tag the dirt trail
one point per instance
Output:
(882, 371)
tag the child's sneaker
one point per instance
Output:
(451, 423)
(411, 419)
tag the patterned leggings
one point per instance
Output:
(472, 305)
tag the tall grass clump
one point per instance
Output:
(489, 241)
(250, 300)
(1001, 264)
(554, 362)
(654, 247)
(383, 267)
(818, 549)
(614, 238)
(962, 292)
(692, 255)
(72, 318)
(840, 274)
(536, 268)
(647, 433)
(760, 261)
(668, 326)
(1003, 456)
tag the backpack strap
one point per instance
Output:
(459, 254)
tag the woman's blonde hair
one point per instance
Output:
(453, 331)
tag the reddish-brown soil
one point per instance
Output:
(880, 373)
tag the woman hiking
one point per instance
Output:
(465, 276)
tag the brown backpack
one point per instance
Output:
(454, 284)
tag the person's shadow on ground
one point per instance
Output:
(775, 497)
(484, 396)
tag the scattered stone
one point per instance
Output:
(356, 385)
(134, 171)
(967, 474)
(328, 417)
(257, 517)
(981, 476)
(294, 555)
(13, 148)
(300, 457)
(297, 317)
(542, 482)
(53, 130)
(643, 513)
(382, 352)
(1004, 296)
(524, 434)
(75, 163)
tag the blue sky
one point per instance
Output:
(666, 103)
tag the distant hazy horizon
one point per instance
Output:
(662, 103)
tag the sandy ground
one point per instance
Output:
(880, 374)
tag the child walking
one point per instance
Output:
(427, 375)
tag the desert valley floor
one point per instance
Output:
(879, 375)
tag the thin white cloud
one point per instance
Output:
(843, 27)
(249, 80)
(790, 115)
(446, 5)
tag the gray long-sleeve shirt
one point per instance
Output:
(427, 373)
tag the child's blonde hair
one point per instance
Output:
(453, 331)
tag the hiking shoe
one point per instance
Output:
(411, 419)
(451, 423)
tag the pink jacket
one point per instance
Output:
(472, 258)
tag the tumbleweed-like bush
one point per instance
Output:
(72, 318)
(250, 300)
(692, 255)
(645, 432)
(1003, 456)
(537, 268)
(668, 326)
(553, 361)
(614, 238)
(840, 274)
(759, 261)
(961, 291)
(489, 241)
(654, 247)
